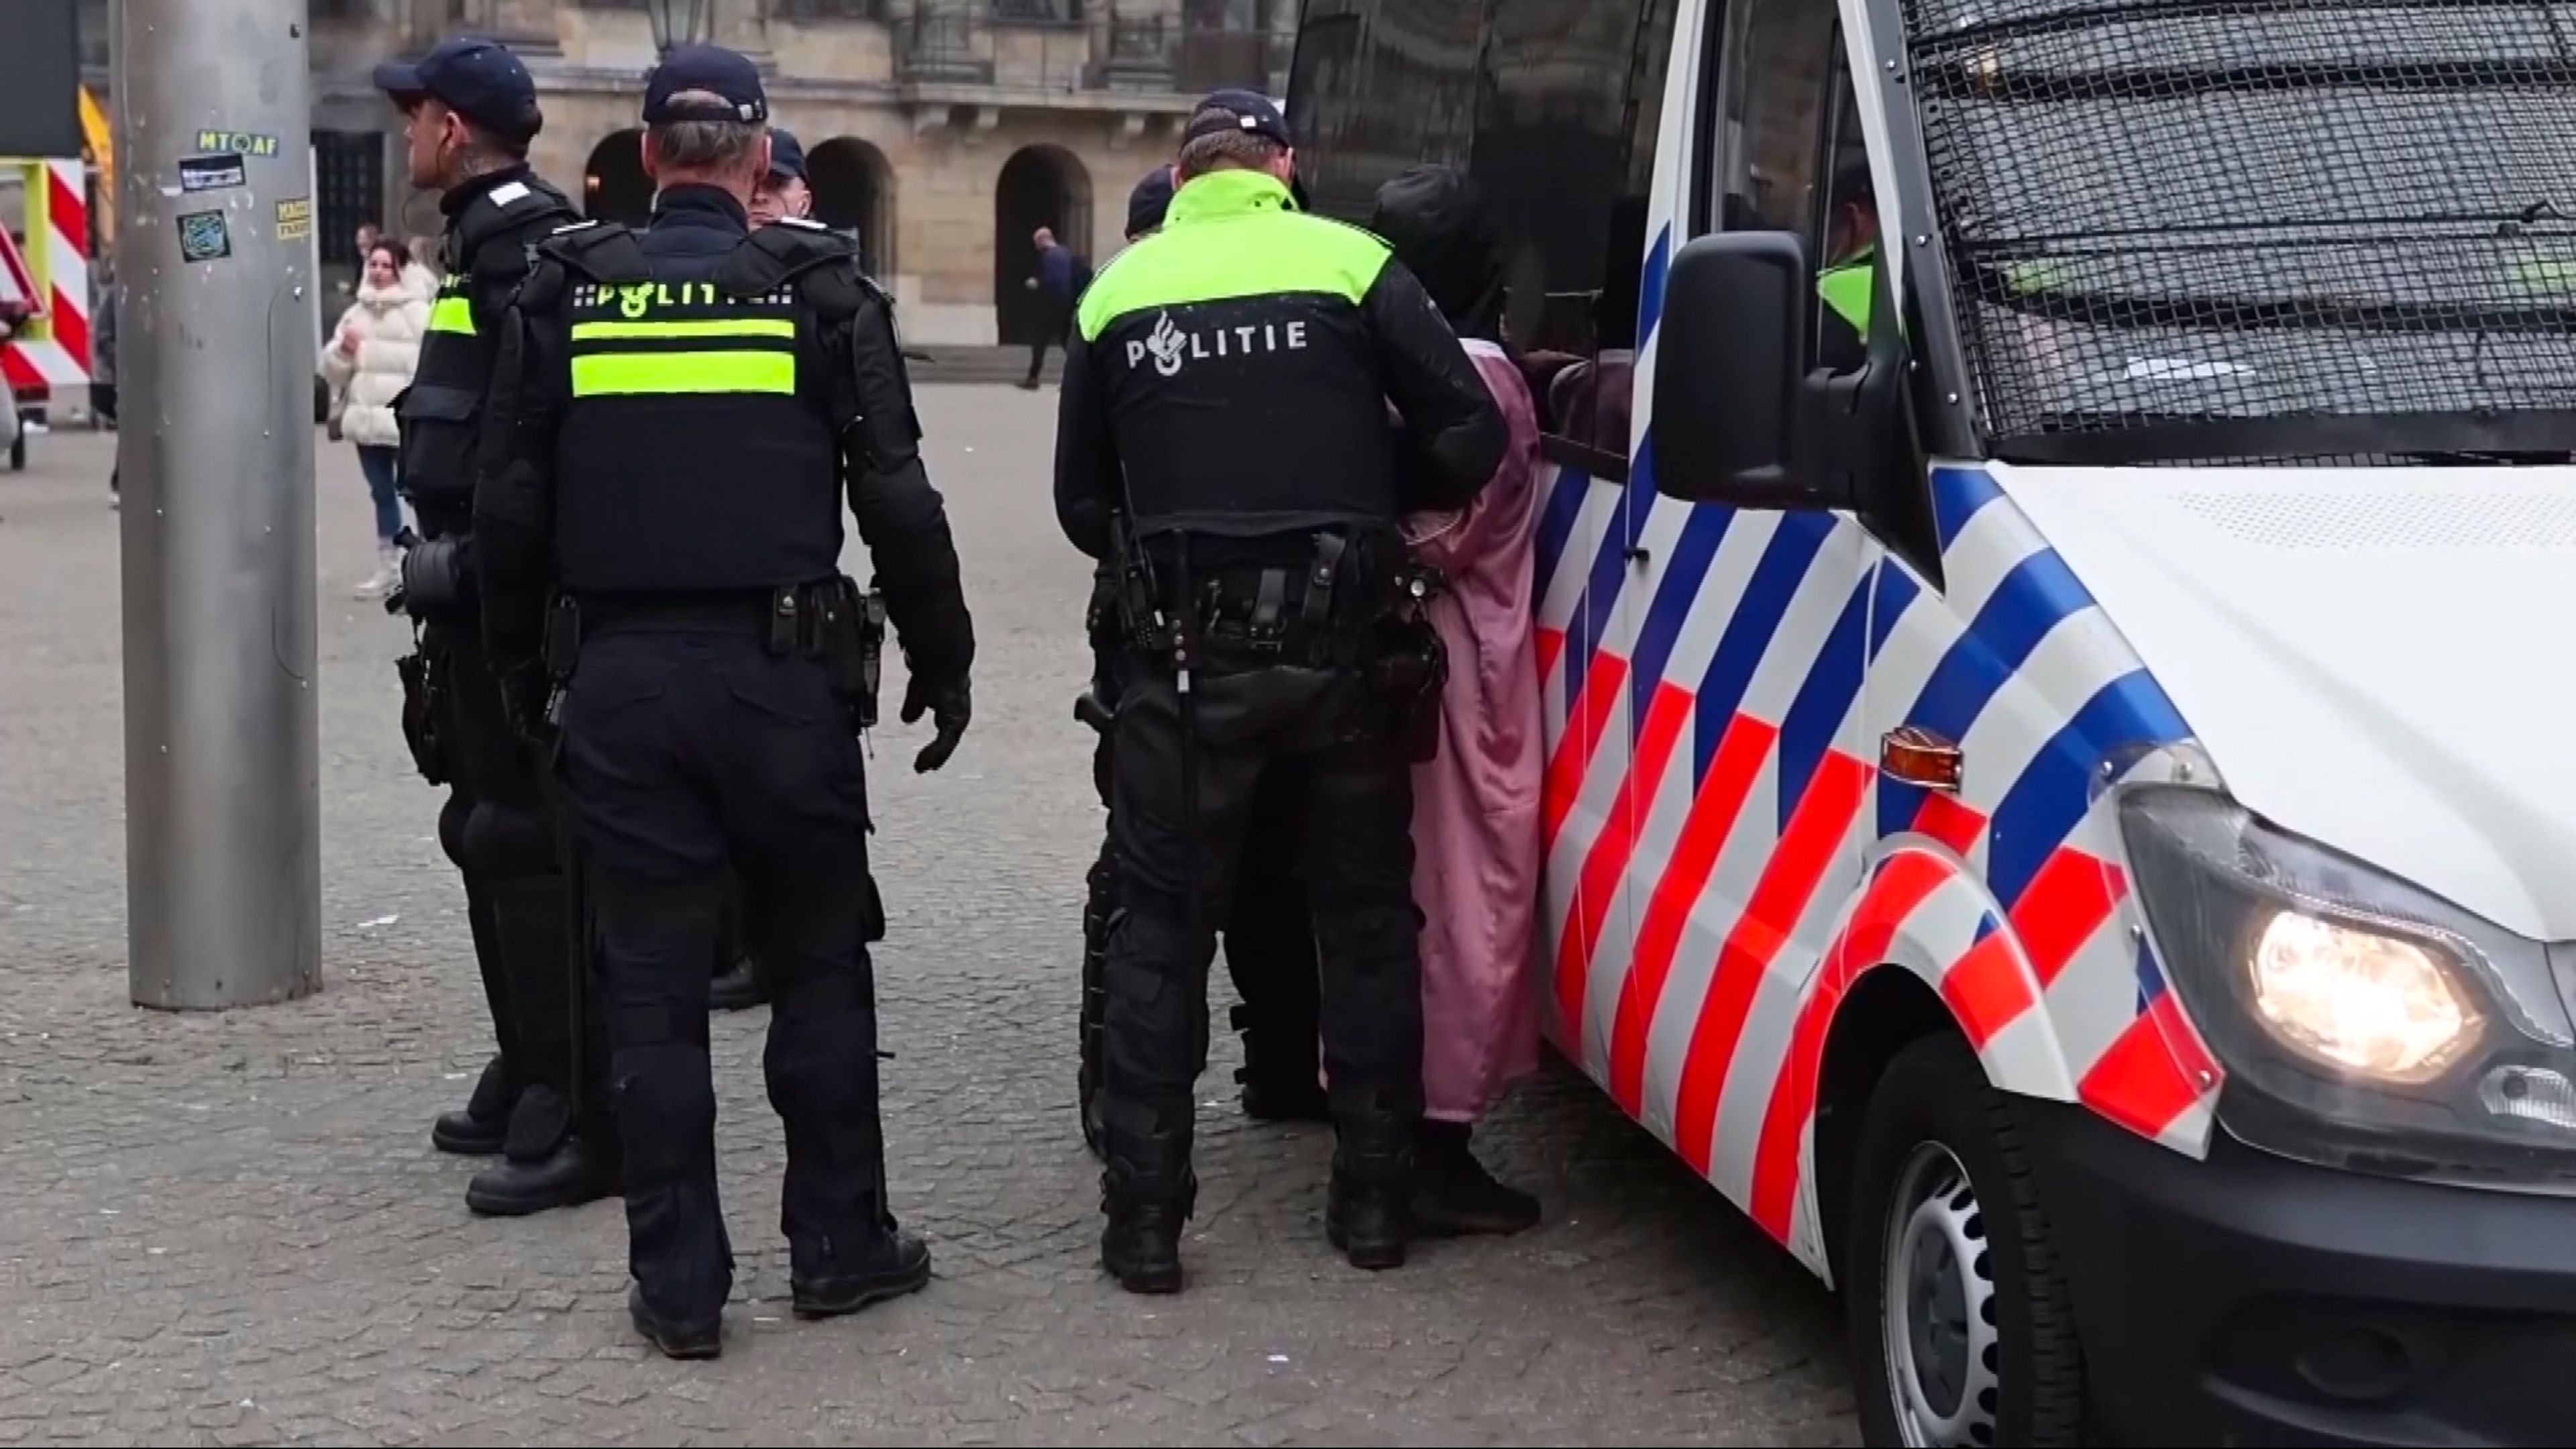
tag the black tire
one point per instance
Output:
(1939, 1137)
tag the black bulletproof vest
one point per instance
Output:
(440, 414)
(696, 452)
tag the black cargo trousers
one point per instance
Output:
(688, 749)
(1322, 740)
(1269, 941)
(498, 829)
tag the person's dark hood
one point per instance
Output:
(1436, 220)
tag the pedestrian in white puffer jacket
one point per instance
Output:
(368, 362)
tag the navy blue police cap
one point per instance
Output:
(710, 68)
(786, 153)
(476, 78)
(1238, 110)
(1147, 203)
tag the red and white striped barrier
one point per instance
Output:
(51, 354)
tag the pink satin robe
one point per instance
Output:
(1476, 806)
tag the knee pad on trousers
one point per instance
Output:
(666, 1109)
(821, 1060)
(1153, 1007)
(841, 991)
(452, 818)
(823, 1066)
(507, 840)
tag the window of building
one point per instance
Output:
(828, 9)
(1060, 12)
(349, 188)
(93, 34)
(1233, 15)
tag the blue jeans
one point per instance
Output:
(378, 465)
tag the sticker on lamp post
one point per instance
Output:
(204, 237)
(211, 173)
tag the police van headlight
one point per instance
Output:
(2363, 1022)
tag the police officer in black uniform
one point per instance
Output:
(472, 110)
(1241, 429)
(1269, 942)
(782, 193)
(785, 191)
(675, 421)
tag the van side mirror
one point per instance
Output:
(1733, 399)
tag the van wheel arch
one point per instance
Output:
(1886, 1011)
(1898, 1083)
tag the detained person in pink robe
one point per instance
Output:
(1476, 803)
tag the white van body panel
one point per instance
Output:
(2373, 658)
(1725, 862)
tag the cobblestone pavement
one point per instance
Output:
(233, 1229)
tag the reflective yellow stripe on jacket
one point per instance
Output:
(631, 374)
(631, 356)
(452, 312)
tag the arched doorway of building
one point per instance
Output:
(1039, 186)
(854, 192)
(614, 186)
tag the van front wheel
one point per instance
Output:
(1960, 1323)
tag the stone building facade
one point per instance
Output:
(943, 131)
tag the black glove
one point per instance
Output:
(1093, 708)
(950, 706)
(524, 693)
(405, 541)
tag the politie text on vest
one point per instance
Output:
(1172, 348)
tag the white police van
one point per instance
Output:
(2069, 820)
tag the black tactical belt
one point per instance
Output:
(745, 612)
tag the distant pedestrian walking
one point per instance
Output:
(369, 362)
(1061, 277)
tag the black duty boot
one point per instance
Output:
(1141, 1246)
(1368, 1210)
(900, 1265)
(1454, 1194)
(480, 1129)
(676, 1338)
(552, 1161)
(583, 1168)
(1372, 1226)
(742, 985)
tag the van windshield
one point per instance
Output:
(2257, 228)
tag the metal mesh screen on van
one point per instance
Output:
(2178, 212)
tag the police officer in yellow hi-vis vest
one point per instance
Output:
(676, 420)
(1226, 396)
(1847, 282)
(471, 110)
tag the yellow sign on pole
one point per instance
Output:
(102, 154)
